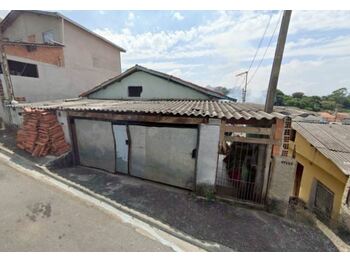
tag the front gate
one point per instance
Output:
(243, 161)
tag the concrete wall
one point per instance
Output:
(54, 82)
(152, 88)
(87, 52)
(281, 184)
(63, 120)
(207, 160)
(318, 167)
(34, 24)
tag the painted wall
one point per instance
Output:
(152, 88)
(318, 167)
(34, 24)
(207, 162)
(54, 82)
(87, 52)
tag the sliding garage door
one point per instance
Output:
(164, 154)
(95, 144)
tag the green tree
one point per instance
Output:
(298, 95)
(222, 90)
(279, 100)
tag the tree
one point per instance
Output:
(298, 95)
(222, 90)
(279, 101)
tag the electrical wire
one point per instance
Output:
(260, 42)
(267, 47)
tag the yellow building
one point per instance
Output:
(322, 178)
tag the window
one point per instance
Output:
(22, 69)
(48, 37)
(292, 135)
(134, 91)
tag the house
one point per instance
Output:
(52, 57)
(322, 176)
(140, 83)
(157, 127)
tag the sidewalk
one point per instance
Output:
(238, 228)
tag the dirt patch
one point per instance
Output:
(39, 210)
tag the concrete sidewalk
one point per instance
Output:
(238, 228)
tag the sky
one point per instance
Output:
(211, 47)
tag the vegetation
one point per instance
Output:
(338, 99)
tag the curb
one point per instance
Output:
(207, 246)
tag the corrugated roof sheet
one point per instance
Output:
(332, 140)
(196, 108)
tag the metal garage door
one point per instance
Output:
(164, 154)
(95, 144)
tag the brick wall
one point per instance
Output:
(50, 55)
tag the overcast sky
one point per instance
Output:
(210, 47)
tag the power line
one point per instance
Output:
(267, 47)
(260, 42)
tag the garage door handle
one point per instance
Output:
(194, 153)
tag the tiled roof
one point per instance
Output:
(194, 108)
(332, 140)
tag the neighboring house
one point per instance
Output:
(53, 57)
(336, 117)
(310, 119)
(140, 83)
(322, 177)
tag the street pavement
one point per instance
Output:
(35, 216)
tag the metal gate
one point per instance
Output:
(242, 161)
(95, 144)
(164, 154)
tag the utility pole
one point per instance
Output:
(275, 71)
(244, 89)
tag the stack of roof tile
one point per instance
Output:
(41, 134)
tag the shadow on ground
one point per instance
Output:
(239, 228)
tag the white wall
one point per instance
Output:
(207, 160)
(85, 51)
(153, 87)
(54, 82)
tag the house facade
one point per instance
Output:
(322, 152)
(141, 83)
(157, 127)
(52, 57)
